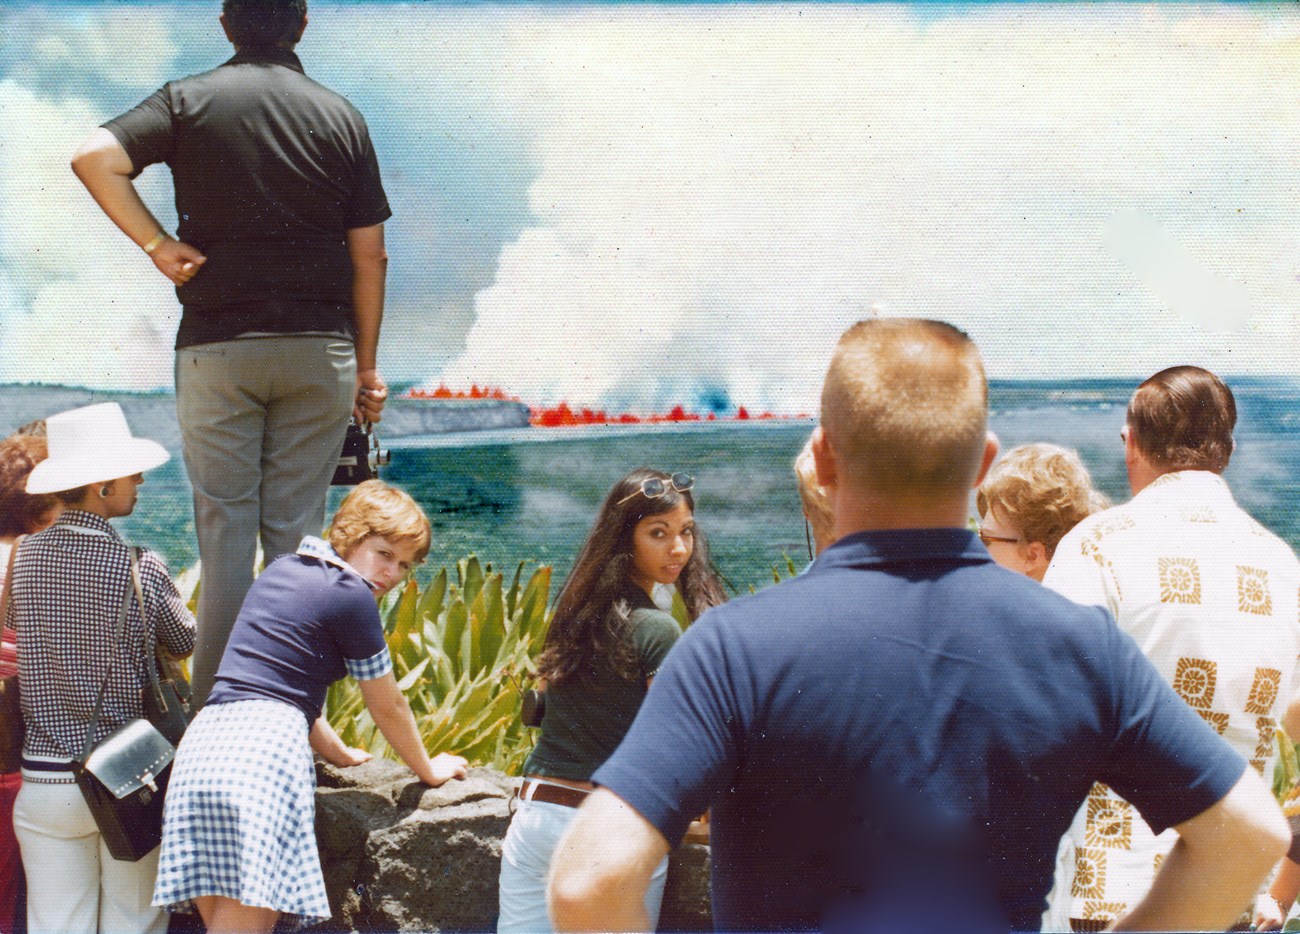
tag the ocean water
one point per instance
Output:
(531, 494)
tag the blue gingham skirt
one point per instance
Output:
(240, 817)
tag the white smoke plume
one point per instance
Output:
(721, 191)
(717, 190)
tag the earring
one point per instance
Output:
(105, 491)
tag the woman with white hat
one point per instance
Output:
(66, 594)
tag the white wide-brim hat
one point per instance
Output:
(92, 444)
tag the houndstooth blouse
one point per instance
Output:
(67, 589)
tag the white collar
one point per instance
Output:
(87, 523)
(1180, 484)
(321, 550)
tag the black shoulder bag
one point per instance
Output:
(124, 777)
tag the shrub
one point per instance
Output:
(461, 653)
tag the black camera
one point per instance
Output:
(533, 708)
(361, 458)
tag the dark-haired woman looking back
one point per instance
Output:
(606, 641)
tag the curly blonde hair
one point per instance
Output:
(1042, 490)
(375, 508)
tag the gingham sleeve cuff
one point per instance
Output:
(367, 669)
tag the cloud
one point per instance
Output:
(1173, 275)
(448, 109)
(453, 156)
(78, 303)
(640, 203)
(722, 190)
(88, 51)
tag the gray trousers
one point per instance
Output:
(262, 423)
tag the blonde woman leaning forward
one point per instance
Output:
(66, 593)
(239, 830)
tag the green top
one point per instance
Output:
(586, 719)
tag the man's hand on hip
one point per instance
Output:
(372, 393)
(178, 261)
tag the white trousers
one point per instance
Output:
(72, 882)
(534, 833)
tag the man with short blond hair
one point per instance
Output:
(897, 738)
(1209, 596)
(913, 441)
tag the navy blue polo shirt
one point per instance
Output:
(308, 620)
(901, 735)
(271, 170)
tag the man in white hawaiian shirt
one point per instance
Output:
(1207, 592)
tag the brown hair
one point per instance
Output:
(375, 508)
(74, 496)
(263, 23)
(1182, 419)
(21, 512)
(905, 407)
(1042, 490)
(591, 620)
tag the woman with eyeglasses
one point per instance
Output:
(606, 641)
(1031, 497)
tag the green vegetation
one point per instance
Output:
(461, 652)
(1286, 768)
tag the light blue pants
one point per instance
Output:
(534, 833)
(262, 421)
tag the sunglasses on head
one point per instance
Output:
(655, 487)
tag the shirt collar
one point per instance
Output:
(893, 546)
(321, 550)
(273, 55)
(1186, 484)
(78, 520)
(637, 599)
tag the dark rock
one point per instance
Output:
(401, 856)
(374, 774)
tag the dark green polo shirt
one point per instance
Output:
(585, 720)
(270, 169)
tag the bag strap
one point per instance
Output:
(151, 637)
(88, 745)
(151, 648)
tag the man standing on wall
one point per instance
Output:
(279, 266)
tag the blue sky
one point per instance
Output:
(635, 202)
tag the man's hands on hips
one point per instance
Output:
(372, 393)
(177, 260)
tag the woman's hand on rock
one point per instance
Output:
(349, 756)
(445, 766)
